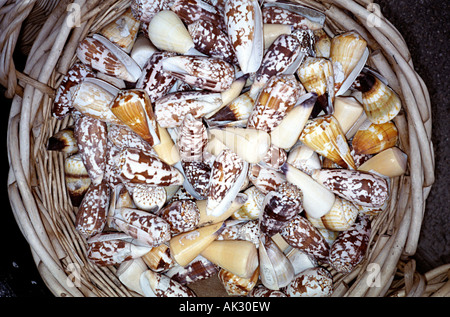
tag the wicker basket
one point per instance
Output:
(36, 179)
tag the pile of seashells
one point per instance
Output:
(226, 138)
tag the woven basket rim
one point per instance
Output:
(35, 210)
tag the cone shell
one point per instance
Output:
(159, 285)
(63, 141)
(91, 136)
(142, 51)
(348, 54)
(341, 216)
(149, 198)
(317, 200)
(243, 19)
(350, 246)
(324, 135)
(300, 233)
(313, 282)
(227, 175)
(154, 80)
(192, 139)
(76, 178)
(198, 269)
(390, 163)
(191, 11)
(202, 72)
(104, 56)
(209, 39)
(274, 158)
(275, 15)
(198, 175)
(381, 103)
(322, 43)
(122, 31)
(158, 259)
(129, 273)
(182, 215)
(206, 219)
(93, 97)
(253, 205)
(347, 111)
(235, 285)
(143, 226)
(166, 149)
(168, 33)
(316, 75)
(144, 10)
(300, 260)
(262, 291)
(286, 134)
(135, 166)
(133, 108)
(62, 105)
(249, 144)
(276, 271)
(239, 109)
(277, 98)
(91, 215)
(186, 246)
(265, 179)
(279, 207)
(361, 188)
(112, 251)
(171, 109)
(376, 138)
(121, 136)
(282, 57)
(236, 256)
(304, 159)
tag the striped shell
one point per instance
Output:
(381, 104)
(341, 216)
(375, 138)
(324, 135)
(236, 285)
(76, 178)
(191, 11)
(192, 139)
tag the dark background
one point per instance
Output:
(424, 25)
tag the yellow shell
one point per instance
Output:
(252, 207)
(347, 52)
(122, 31)
(381, 104)
(324, 135)
(132, 107)
(341, 216)
(375, 138)
(316, 75)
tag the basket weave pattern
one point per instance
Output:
(36, 179)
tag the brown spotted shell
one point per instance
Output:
(182, 215)
(279, 207)
(350, 246)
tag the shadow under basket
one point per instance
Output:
(46, 217)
